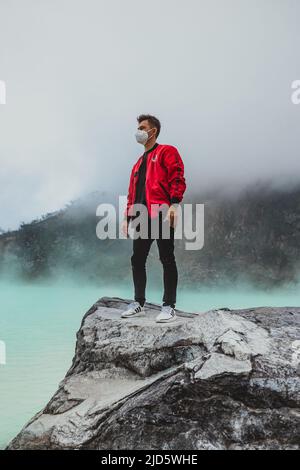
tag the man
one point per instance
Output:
(156, 178)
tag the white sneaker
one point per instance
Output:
(167, 314)
(134, 310)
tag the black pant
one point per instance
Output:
(141, 248)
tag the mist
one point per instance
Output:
(77, 73)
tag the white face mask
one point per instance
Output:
(142, 136)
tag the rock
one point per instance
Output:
(234, 345)
(215, 380)
(219, 364)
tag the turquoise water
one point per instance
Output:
(38, 323)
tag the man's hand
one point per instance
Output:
(125, 227)
(171, 216)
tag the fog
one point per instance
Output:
(218, 74)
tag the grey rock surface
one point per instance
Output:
(222, 379)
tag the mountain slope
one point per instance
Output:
(254, 236)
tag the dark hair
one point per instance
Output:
(152, 120)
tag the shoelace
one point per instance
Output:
(137, 308)
(169, 310)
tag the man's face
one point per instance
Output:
(145, 126)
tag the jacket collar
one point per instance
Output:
(150, 150)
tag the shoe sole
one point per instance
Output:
(135, 315)
(166, 321)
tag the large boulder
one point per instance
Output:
(222, 379)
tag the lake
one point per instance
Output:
(38, 323)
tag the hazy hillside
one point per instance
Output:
(255, 236)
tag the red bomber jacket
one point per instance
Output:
(165, 181)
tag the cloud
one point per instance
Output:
(217, 74)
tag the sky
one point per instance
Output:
(218, 74)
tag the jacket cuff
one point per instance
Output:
(175, 200)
